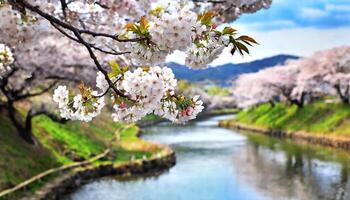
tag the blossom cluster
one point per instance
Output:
(169, 26)
(168, 30)
(205, 51)
(145, 90)
(170, 110)
(6, 58)
(177, 27)
(78, 107)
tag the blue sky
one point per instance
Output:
(296, 27)
(283, 14)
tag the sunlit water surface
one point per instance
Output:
(218, 164)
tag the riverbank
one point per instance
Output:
(63, 185)
(318, 123)
(66, 144)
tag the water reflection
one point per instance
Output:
(215, 163)
(285, 170)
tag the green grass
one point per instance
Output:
(318, 117)
(63, 144)
(215, 90)
(224, 111)
(150, 118)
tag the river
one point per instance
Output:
(220, 164)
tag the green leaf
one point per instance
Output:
(144, 24)
(241, 47)
(233, 50)
(130, 26)
(24, 18)
(246, 38)
(206, 18)
(115, 69)
(156, 11)
(228, 30)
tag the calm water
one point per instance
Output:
(218, 164)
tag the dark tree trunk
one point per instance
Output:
(345, 100)
(24, 128)
(299, 102)
(24, 131)
(344, 97)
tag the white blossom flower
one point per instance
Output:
(76, 110)
(6, 58)
(101, 82)
(192, 111)
(147, 91)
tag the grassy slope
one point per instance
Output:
(317, 118)
(63, 144)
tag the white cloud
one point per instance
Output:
(313, 13)
(338, 7)
(275, 24)
(298, 41)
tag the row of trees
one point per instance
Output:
(55, 41)
(324, 73)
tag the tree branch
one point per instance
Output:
(92, 45)
(28, 95)
(59, 78)
(77, 32)
(43, 111)
(65, 25)
(64, 7)
(98, 65)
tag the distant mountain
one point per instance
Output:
(224, 73)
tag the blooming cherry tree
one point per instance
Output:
(252, 89)
(122, 45)
(297, 79)
(330, 67)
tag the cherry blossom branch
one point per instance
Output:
(77, 32)
(105, 92)
(97, 63)
(101, 5)
(116, 53)
(64, 7)
(92, 45)
(53, 19)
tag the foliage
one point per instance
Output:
(318, 117)
(183, 85)
(215, 90)
(224, 111)
(63, 144)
